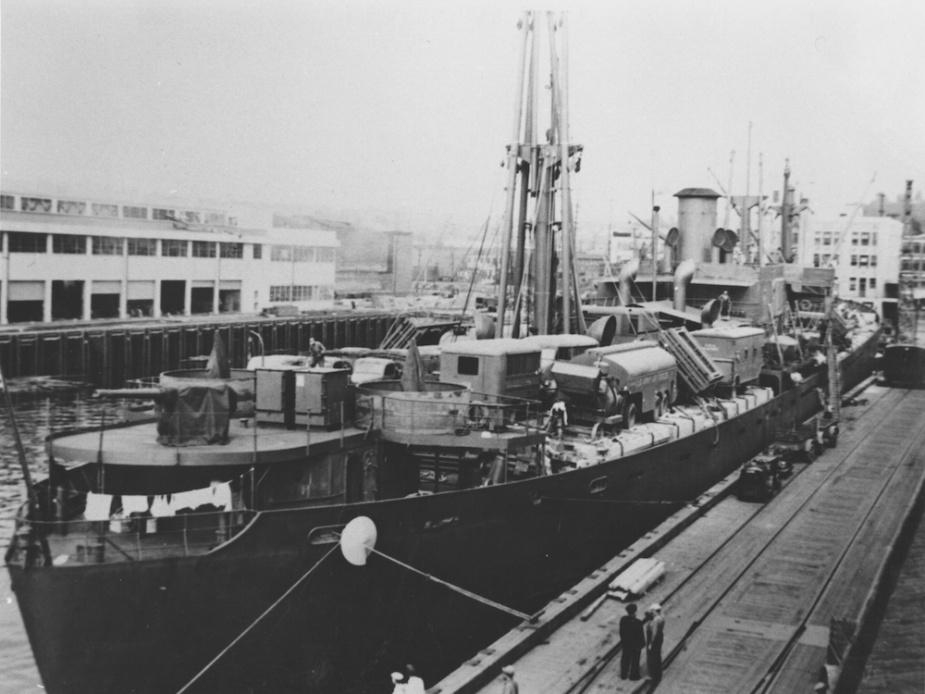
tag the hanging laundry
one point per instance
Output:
(98, 506)
(221, 495)
(192, 499)
(161, 507)
(134, 504)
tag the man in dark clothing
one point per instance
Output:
(316, 350)
(633, 640)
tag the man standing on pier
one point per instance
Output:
(633, 639)
(655, 635)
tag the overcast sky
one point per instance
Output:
(406, 106)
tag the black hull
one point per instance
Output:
(152, 626)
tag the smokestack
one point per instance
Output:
(696, 223)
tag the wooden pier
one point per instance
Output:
(757, 598)
(110, 354)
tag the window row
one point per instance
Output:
(858, 238)
(99, 209)
(285, 292)
(28, 242)
(861, 284)
(25, 242)
(302, 254)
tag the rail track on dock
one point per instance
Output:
(757, 595)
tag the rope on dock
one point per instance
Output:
(462, 591)
(256, 621)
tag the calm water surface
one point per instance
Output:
(36, 417)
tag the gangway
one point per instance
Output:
(696, 368)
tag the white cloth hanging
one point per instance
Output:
(192, 499)
(221, 495)
(161, 508)
(98, 506)
(134, 504)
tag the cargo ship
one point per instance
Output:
(205, 549)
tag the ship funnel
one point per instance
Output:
(358, 540)
(627, 275)
(696, 223)
(682, 278)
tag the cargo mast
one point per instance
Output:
(542, 177)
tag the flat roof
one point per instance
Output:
(501, 345)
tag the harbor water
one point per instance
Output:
(36, 417)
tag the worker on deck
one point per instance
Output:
(633, 640)
(316, 350)
(558, 417)
(725, 304)
(655, 636)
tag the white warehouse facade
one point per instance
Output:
(71, 259)
(864, 252)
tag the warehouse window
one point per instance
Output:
(68, 243)
(301, 293)
(130, 212)
(35, 205)
(107, 245)
(142, 246)
(25, 242)
(71, 207)
(158, 213)
(173, 248)
(232, 250)
(280, 293)
(103, 210)
(203, 249)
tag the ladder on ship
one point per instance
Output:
(400, 335)
(695, 367)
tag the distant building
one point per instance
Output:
(895, 209)
(374, 262)
(76, 259)
(623, 247)
(864, 252)
(437, 262)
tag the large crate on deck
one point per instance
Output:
(314, 397)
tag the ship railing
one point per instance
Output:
(137, 538)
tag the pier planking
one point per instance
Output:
(822, 566)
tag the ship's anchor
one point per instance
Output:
(358, 541)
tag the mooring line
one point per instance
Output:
(256, 621)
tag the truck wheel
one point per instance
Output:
(659, 411)
(629, 415)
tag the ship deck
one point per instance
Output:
(136, 445)
(754, 595)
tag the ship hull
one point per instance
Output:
(152, 626)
